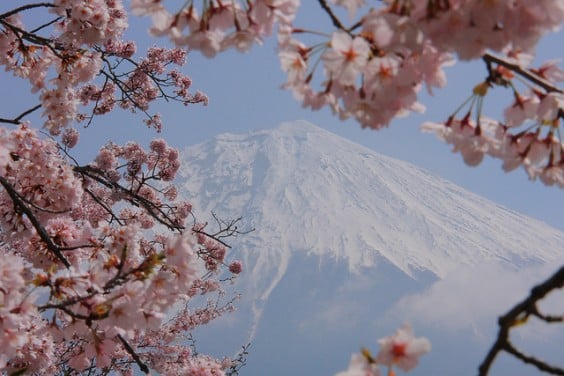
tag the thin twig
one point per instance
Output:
(134, 355)
(33, 38)
(519, 312)
(523, 72)
(17, 120)
(26, 7)
(134, 199)
(38, 28)
(19, 204)
(336, 22)
(541, 365)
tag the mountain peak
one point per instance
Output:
(300, 127)
(305, 189)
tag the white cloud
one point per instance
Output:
(472, 298)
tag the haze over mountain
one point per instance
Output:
(349, 243)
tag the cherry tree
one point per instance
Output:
(102, 261)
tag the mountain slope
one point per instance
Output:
(342, 234)
(306, 189)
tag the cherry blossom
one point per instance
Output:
(402, 349)
(346, 58)
(360, 366)
(351, 5)
(98, 254)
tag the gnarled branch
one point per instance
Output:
(515, 316)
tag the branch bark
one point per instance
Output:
(523, 72)
(336, 22)
(517, 315)
(26, 7)
(134, 355)
(20, 205)
(17, 120)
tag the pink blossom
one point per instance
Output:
(145, 7)
(351, 5)
(550, 107)
(180, 257)
(70, 137)
(102, 351)
(202, 365)
(242, 40)
(346, 58)
(524, 108)
(360, 366)
(208, 42)
(551, 71)
(402, 349)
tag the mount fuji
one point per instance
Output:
(348, 244)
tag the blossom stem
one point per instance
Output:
(17, 120)
(526, 73)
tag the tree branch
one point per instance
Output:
(523, 72)
(17, 120)
(19, 204)
(33, 38)
(515, 316)
(26, 7)
(336, 22)
(541, 365)
(133, 198)
(134, 355)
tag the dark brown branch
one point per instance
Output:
(226, 229)
(541, 365)
(20, 205)
(26, 7)
(134, 199)
(516, 315)
(104, 206)
(133, 354)
(66, 303)
(38, 28)
(547, 318)
(33, 38)
(17, 120)
(551, 319)
(125, 91)
(41, 209)
(525, 73)
(336, 22)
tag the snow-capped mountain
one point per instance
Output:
(340, 230)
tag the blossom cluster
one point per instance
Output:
(84, 282)
(400, 350)
(219, 25)
(529, 136)
(85, 44)
(373, 70)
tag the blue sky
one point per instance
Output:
(245, 94)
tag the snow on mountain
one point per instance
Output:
(306, 189)
(332, 217)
